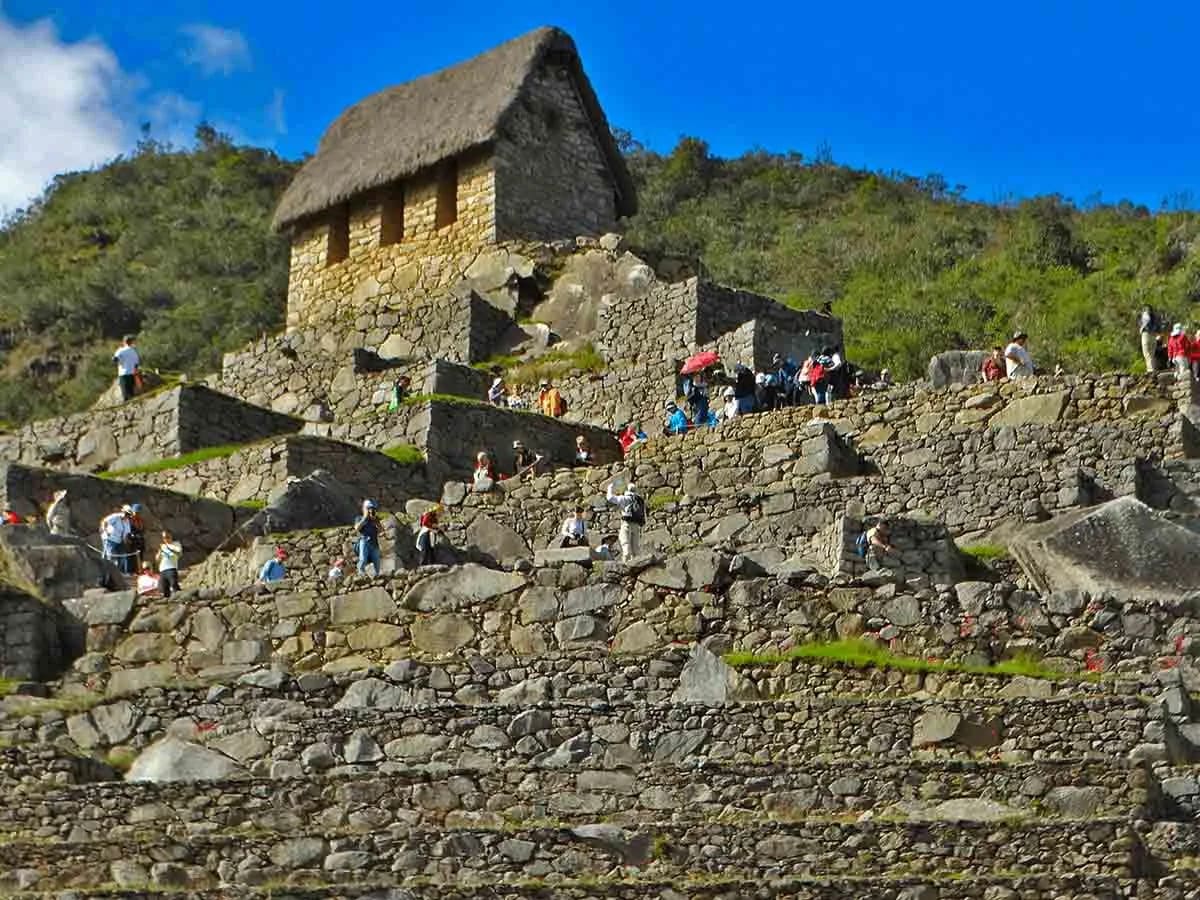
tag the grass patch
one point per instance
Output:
(658, 501)
(556, 364)
(70, 703)
(7, 686)
(177, 462)
(860, 654)
(421, 399)
(405, 454)
(985, 553)
(251, 504)
(120, 758)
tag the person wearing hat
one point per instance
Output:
(114, 532)
(366, 547)
(274, 569)
(522, 458)
(677, 422)
(550, 402)
(633, 517)
(1017, 361)
(729, 409)
(1178, 348)
(574, 529)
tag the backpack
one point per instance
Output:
(560, 406)
(861, 544)
(636, 513)
(816, 374)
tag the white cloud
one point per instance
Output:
(276, 115)
(56, 108)
(215, 50)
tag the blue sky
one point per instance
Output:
(1012, 99)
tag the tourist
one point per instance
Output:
(574, 529)
(428, 527)
(1194, 355)
(874, 543)
(128, 362)
(484, 477)
(633, 517)
(274, 569)
(785, 377)
(743, 388)
(1017, 361)
(1161, 360)
(695, 391)
(836, 372)
(523, 459)
(58, 514)
(729, 408)
(400, 392)
(498, 393)
(147, 581)
(583, 451)
(629, 434)
(1179, 347)
(676, 422)
(766, 390)
(169, 553)
(550, 402)
(10, 517)
(366, 547)
(993, 365)
(136, 541)
(114, 532)
(338, 570)
(818, 383)
(1149, 328)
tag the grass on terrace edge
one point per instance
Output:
(552, 365)
(405, 454)
(860, 654)
(177, 462)
(985, 553)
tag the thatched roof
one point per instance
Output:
(406, 128)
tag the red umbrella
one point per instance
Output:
(701, 360)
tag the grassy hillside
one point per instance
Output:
(174, 245)
(912, 267)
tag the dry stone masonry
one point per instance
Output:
(1004, 704)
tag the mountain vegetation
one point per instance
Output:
(175, 245)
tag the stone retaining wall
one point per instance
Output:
(35, 643)
(157, 426)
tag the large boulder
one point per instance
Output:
(957, 367)
(706, 678)
(1122, 548)
(171, 759)
(316, 501)
(825, 453)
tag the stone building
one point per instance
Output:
(407, 184)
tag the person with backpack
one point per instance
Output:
(366, 546)
(818, 381)
(633, 518)
(1149, 329)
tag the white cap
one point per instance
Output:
(1176, 329)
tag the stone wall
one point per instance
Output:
(156, 426)
(201, 524)
(253, 472)
(552, 180)
(34, 644)
(424, 262)
(779, 329)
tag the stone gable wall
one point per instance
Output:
(552, 180)
(31, 638)
(375, 277)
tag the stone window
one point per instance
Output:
(338, 246)
(391, 215)
(447, 194)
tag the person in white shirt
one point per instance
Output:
(169, 551)
(574, 530)
(1017, 361)
(633, 517)
(127, 361)
(114, 532)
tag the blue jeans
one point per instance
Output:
(822, 395)
(368, 554)
(115, 551)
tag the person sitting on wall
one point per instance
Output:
(729, 408)
(58, 514)
(366, 546)
(524, 459)
(583, 451)
(677, 422)
(428, 527)
(169, 553)
(274, 569)
(484, 478)
(993, 365)
(629, 434)
(574, 529)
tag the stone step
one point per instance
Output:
(1065, 886)
(399, 796)
(484, 856)
(288, 737)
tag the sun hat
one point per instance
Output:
(728, 392)
(127, 509)
(1018, 335)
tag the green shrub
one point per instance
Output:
(661, 499)
(405, 454)
(985, 553)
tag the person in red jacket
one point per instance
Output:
(993, 366)
(1179, 348)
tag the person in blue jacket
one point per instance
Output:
(677, 422)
